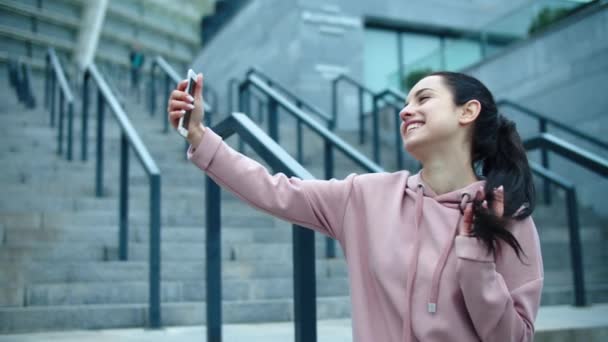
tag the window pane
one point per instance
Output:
(460, 53)
(380, 57)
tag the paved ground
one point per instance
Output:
(550, 321)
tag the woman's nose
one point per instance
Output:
(405, 113)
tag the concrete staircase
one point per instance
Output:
(58, 252)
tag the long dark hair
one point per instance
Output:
(499, 152)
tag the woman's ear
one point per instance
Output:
(470, 112)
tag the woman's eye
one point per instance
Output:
(422, 99)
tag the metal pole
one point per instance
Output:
(99, 159)
(330, 245)
(300, 152)
(123, 204)
(273, 119)
(47, 81)
(361, 118)
(167, 90)
(154, 310)
(575, 249)
(304, 285)
(545, 163)
(376, 133)
(70, 129)
(60, 134)
(213, 248)
(334, 100)
(152, 92)
(85, 116)
(398, 143)
(53, 87)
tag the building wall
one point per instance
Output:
(306, 43)
(562, 74)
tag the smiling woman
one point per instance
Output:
(446, 254)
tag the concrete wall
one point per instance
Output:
(563, 74)
(306, 43)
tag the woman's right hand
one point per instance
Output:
(180, 102)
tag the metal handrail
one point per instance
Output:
(361, 91)
(544, 120)
(587, 160)
(129, 140)
(330, 120)
(54, 73)
(582, 157)
(382, 96)
(20, 80)
(331, 140)
(304, 281)
(172, 78)
(578, 278)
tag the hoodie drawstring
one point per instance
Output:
(413, 262)
(432, 304)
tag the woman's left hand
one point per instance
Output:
(466, 226)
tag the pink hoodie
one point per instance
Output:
(412, 277)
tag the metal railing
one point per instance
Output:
(362, 91)
(384, 96)
(543, 126)
(304, 281)
(55, 74)
(171, 79)
(391, 98)
(586, 160)
(330, 120)
(129, 140)
(20, 79)
(275, 100)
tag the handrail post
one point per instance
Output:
(334, 99)
(99, 159)
(47, 80)
(328, 152)
(304, 284)
(85, 116)
(213, 269)
(361, 118)
(123, 206)
(167, 90)
(300, 153)
(70, 128)
(398, 143)
(545, 163)
(243, 102)
(376, 132)
(53, 94)
(273, 119)
(575, 249)
(154, 309)
(152, 90)
(60, 123)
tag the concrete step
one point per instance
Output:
(171, 291)
(108, 316)
(54, 219)
(170, 251)
(49, 272)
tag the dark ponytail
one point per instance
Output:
(499, 152)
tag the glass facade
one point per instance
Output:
(391, 55)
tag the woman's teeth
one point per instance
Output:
(413, 126)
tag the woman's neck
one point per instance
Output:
(444, 176)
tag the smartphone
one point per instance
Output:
(184, 121)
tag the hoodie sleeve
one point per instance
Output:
(502, 295)
(317, 204)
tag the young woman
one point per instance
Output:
(448, 254)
